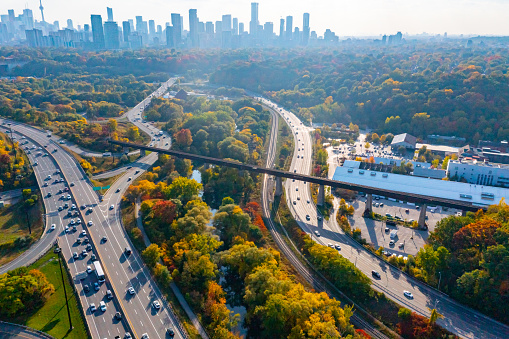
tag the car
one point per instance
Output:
(109, 295)
(90, 223)
(127, 251)
(53, 226)
(170, 332)
(397, 217)
(118, 316)
(68, 196)
(118, 190)
(156, 304)
(61, 142)
(83, 207)
(36, 163)
(84, 253)
(73, 206)
(387, 230)
(294, 171)
(71, 184)
(317, 233)
(308, 217)
(129, 179)
(102, 306)
(319, 218)
(138, 171)
(86, 241)
(66, 205)
(84, 233)
(309, 201)
(144, 336)
(295, 202)
(72, 221)
(60, 208)
(104, 239)
(89, 269)
(375, 274)
(75, 255)
(92, 257)
(297, 189)
(90, 209)
(330, 245)
(49, 194)
(401, 245)
(391, 243)
(66, 189)
(298, 198)
(86, 288)
(66, 229)
(408, 294)
(78, 241)
(45, 184)
(89, 247)
(96, 286)
(407, 211)
(131, 290)
(57, 250)
(92, 307)
(112, 207)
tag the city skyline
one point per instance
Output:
(362, 18)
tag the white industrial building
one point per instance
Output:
(406, 140)
(479, 173)
(478, 195)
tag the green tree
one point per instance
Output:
(151, 255)
(183, 189)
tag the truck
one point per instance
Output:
(99, 271)
(394, 234)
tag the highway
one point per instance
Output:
(458, 319)
(122, 271)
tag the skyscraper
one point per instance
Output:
(176, 22)
(97, 31)
(227, 22)
(253, 24)
(139, 23)
(193, 27)
(241, 28)
(111, 35)
(235, 27)
(152, 28)
(305, 29)
(209, 27)
(289, 27)
(69, 24)
(110, 13)
(281, 28)
(126, 30)
(170, 36)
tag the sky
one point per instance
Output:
(345, 17)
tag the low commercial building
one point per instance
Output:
(406, 140)
(440, 150)
(479, 173)
(432, 173)
(478, 195)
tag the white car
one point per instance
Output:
(408, 294)
(92, 307)
(78, 221)
(131, 290)
(145, 336)
(89, 269)
(90, 223)
(338, 247)
(156, 304)
(112, 207)
(84, 233)
(102, 306)
(53, 226)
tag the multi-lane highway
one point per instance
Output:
(102, 224)
(458, 319)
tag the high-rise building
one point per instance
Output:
(97, 31)
(131, 24)
(193, 27)
(235, 27)
(268, 30)
(69, 24)
(111, 37)
(139, 23)
(176, 22)
(209, 27)
(227, 23)
(281, 28)
(86, 32)
(110, 13)
(151, 28)
(126, 30)
(289, 27)
(34, 37)
(241, 28)
(28, 18)
(170, 36)
(253, 24)
(305, 29)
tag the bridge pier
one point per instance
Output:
(422, 217)
(279, 186)
(143, 152)
(463, 213)
(320, 199)
(369, 204)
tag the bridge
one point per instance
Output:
(422, 200)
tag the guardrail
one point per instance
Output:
(29, 329)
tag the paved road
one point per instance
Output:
(8, 331)
(12, 196)
(458, 319)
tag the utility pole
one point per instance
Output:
(439, 279)
(26, 214)
(65, 292)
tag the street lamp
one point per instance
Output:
(439, 279)
(65, 292)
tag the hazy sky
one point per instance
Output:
(345, 17)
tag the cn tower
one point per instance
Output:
(42, 9)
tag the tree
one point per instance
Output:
(183, 189)
(165, 211)
(193, 222)
(151, 255)
(112, 125)
(183, 138)
(367, 145)
(133, 133)
(231, 221)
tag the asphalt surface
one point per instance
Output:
(122, 271)
(8, 331)
(458, 319)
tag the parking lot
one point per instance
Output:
(375, 231)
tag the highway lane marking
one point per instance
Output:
(141, 323)
(134, 310)
(116, 272)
